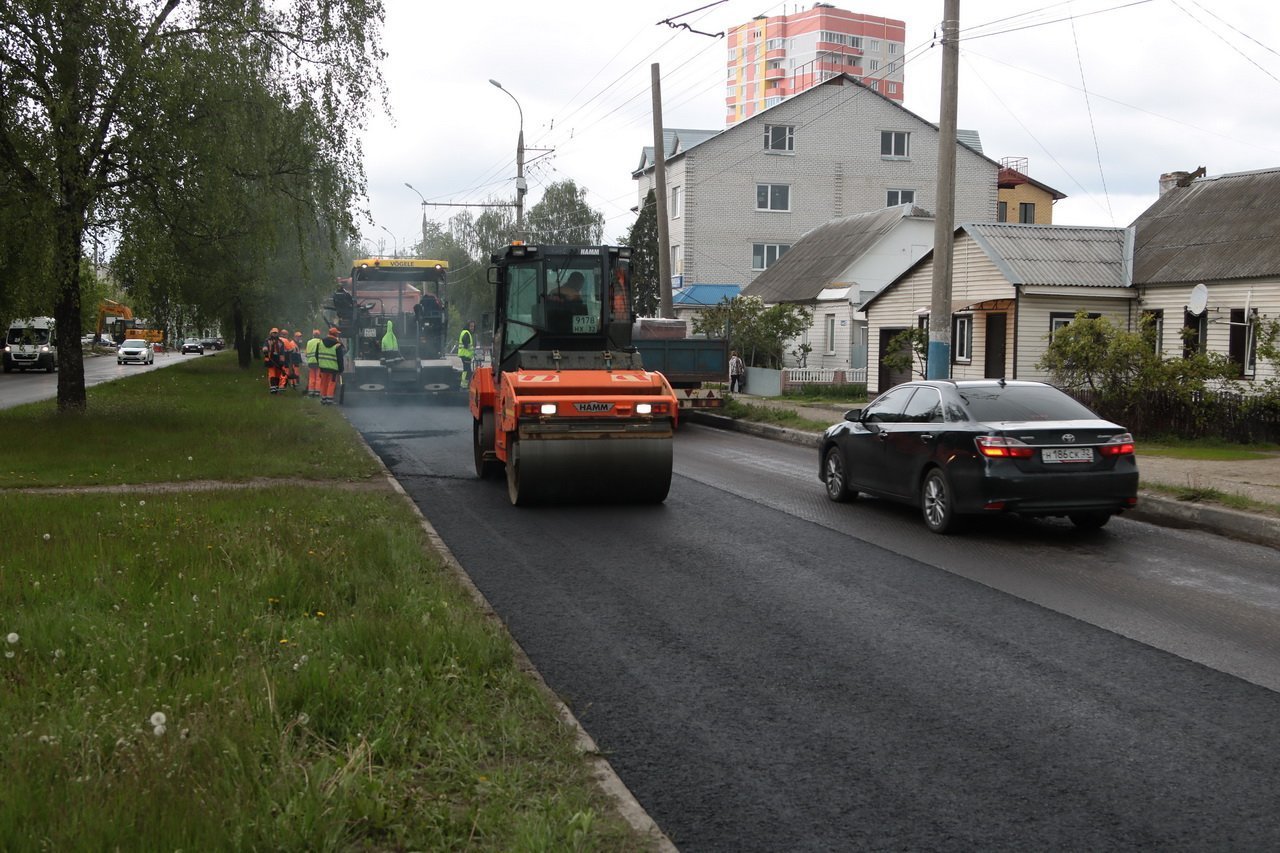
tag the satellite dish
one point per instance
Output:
(1199, 299)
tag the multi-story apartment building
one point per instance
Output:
(774, 57)
(739, 199)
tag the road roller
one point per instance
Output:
(564, 405)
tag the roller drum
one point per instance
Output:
(572, 470)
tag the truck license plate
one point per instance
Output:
(1067, 454)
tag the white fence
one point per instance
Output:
(819, 376)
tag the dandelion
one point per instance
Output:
(12, 639)
(8, 653)
(158, 718)
(47, 537)
(303, 719)
(142, 503)
(190, 458)
(158, 730)
(284, 642)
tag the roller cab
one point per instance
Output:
(567, 409)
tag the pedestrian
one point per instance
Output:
(466, 352)
(273, 356)
(390, 345)
(313, 364)
(737, 372)
(330, 355)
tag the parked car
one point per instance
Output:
(134, 349)
(192, 345)
(213, 343)
(981, 447)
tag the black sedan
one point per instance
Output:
(987, 446)
(192, 345)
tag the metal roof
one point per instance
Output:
(1215, 229)
(1055, 254)
(675, 140)
(704, 294)
(812, 264)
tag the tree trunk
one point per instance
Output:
(66, 311)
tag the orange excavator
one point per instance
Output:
(566, 407)
(111, 308)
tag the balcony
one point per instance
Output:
(775, 73)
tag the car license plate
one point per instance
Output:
(1067, 454)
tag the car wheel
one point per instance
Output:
(1090, 520)
(119, 361)
(937, 504)
(836, 476)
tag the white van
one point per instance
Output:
(30, 345)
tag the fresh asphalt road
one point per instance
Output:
(29, 386)
(769, 671)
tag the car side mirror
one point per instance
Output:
(853, 415)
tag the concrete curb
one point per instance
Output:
(605, 776)
(1152, 508)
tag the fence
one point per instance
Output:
(1209, 414)
(793, 377)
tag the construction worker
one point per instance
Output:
(313, 364)
(466, 351)
(390, 346)
(295, 361)
(330, 356)
(273, 355)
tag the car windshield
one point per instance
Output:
(28, 335)
(1023, 403)
(134, 343)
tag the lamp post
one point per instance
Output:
(395, 246)
(424, 216)
(521, 186)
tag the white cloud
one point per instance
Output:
(1172, 84)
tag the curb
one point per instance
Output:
(1151, 508)
(606, 778)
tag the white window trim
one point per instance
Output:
(771, 209)
(965, 320)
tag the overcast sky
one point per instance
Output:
(1100, 96)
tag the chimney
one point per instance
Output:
(1169, 180)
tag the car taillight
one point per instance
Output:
(1000, 447)
(1121, 445)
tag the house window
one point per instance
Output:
(773, 197)
(1027, 213)
(775, 44)
(893, 47)
(1002, 211)
(873, 65)
(1195, 329)
(895, 144)
(1058, 320)
(677, 260)
(1240, 348)
(962, 338)
(897, 197)
(1152, 329)
(891, 88)
(873, 45)
(779, 137)
(764, 254)
(677, 196)
(829, 334)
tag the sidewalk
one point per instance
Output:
(1257, 479)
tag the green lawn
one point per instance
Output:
(200, 662)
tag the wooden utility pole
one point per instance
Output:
(939, 364)
(666, 308)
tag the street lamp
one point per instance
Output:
(521, 186)
(394, 245)
(424, 216)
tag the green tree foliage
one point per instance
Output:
(758, 332)
(1097, 355)
(643, 240)
(563, 216)
(115, 111)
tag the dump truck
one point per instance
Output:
(696, 367)
(566, 406)
(402, 296)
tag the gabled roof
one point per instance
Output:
(1010, 177)
(812, 264)
(1214, 229)
(677, 142)
(704, 294)
(1046, 255)
(1059, 255)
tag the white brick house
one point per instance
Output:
(738, 199)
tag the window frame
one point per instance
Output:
(779, 249)
(771, 191)
(677, 201)
(889, 197)
(889, 140)
(788, 142)
(1058, 319)
(829, 334)
(962, 338)
(1026, 213)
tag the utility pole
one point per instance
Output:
(939, 364)
(666, 308)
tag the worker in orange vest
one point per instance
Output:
(331, 353)
(295, 361)
(273, 356)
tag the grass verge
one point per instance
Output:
(771, 415)
(282, 667)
